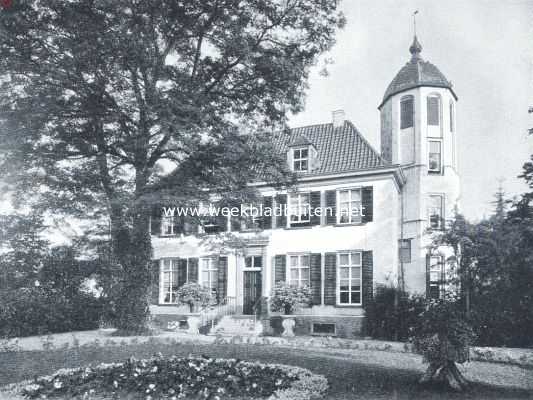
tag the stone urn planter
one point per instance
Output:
(288, 327)
(194, 324)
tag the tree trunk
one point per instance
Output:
(447, 374)
(132, 249)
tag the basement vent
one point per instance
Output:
(323, 329)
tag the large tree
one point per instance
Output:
(100, 99)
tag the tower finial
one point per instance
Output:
(416, 47)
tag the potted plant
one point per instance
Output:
(194, 295)
(285, 298)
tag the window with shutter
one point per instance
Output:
(406, 112)
(433, 110)
(349, 206)
(404, 246)
(299, 208)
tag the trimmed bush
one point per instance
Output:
(392, 314)
(38, 310)
(443, 337)
(180, 378)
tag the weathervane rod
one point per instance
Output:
(414, 20)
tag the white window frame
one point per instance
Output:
(300, 159)
(166, 222)
(437, 266)
(300, 217)
(253, 267)
(212, 267)
(352, 219)
(350, 278)
(172, 269)
(440, 168)
(304, 272)
(442, 211)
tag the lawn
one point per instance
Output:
(360, 374)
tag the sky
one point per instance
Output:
(482, 46)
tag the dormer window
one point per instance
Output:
(300, 159)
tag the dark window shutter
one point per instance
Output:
(316, 280)
(222, 223)
(190, 225)
(179, 222)
(433, 110)
(330, 279)
(407, 112)
(367, 201)
(266, 220)
(281, 217)
(279, 268)
(154, 284)
(222, 278)
(331, 207)
(314, 200)
(235, 223)
(428, 286)
(368, 277)
(182, 271)
(155, 221)
(192, 273)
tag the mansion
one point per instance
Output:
(406, 191)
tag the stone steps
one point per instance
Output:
(235, 326)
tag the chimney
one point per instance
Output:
(338, 118)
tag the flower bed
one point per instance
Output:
(179, 378)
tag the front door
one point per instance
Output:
(252, 291)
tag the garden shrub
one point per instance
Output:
(443, 337)
(41, 310)
(392, 313)
(286, 297)
(173, 378)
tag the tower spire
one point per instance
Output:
(416, 47)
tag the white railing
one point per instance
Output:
(210, 315)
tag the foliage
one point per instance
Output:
(110, 108)
(442, 333)
(23, 249)
(493, 259)
(164, 378)
(193, 294)
(40, 310)
(392, 313)
(286, 297)
(443, 337)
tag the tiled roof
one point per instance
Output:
(415, 73)
(340, 149)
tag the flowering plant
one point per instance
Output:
(180, 378)
(286, 297)
(194, 294)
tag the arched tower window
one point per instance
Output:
(452, 117)
(433, 110)
(407, 111)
